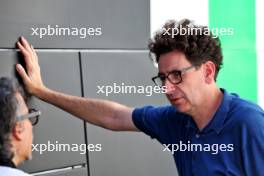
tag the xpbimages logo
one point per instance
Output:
(59, 147)
(81, 32)
(191, 29)
(129, 89)
(212, 148)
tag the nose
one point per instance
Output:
(169, 86)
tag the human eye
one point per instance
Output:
(175, 74)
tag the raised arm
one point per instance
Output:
(104, 113)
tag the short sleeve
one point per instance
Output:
(152, 120)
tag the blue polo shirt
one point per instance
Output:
(231, 144)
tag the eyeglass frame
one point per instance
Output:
(33, 113)
(180, 73)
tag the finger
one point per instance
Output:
(27, 56)
(26, 45)
(23, 50)
(22, 73)
(34, 53)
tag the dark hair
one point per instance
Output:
(8, 112)
(197, 43)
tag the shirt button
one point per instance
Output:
(197, 135)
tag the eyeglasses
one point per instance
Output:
(175, 76)
(33, 116)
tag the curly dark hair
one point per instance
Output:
(197, 43)
(8, 112)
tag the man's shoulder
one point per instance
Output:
(246, 114)
(242, 107)
(8, 171)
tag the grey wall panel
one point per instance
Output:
(67, 172)
(123, 23)
(123, 153)
(61, 72)
(7, 63)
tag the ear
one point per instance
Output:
(209, 72)
(17, 131)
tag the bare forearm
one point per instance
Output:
(104, 113)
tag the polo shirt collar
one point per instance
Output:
(217, 122)
(7, 163)
(220, 116)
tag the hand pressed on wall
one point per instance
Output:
(31, 75)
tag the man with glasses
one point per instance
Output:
(223, 133)
(16, 122)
